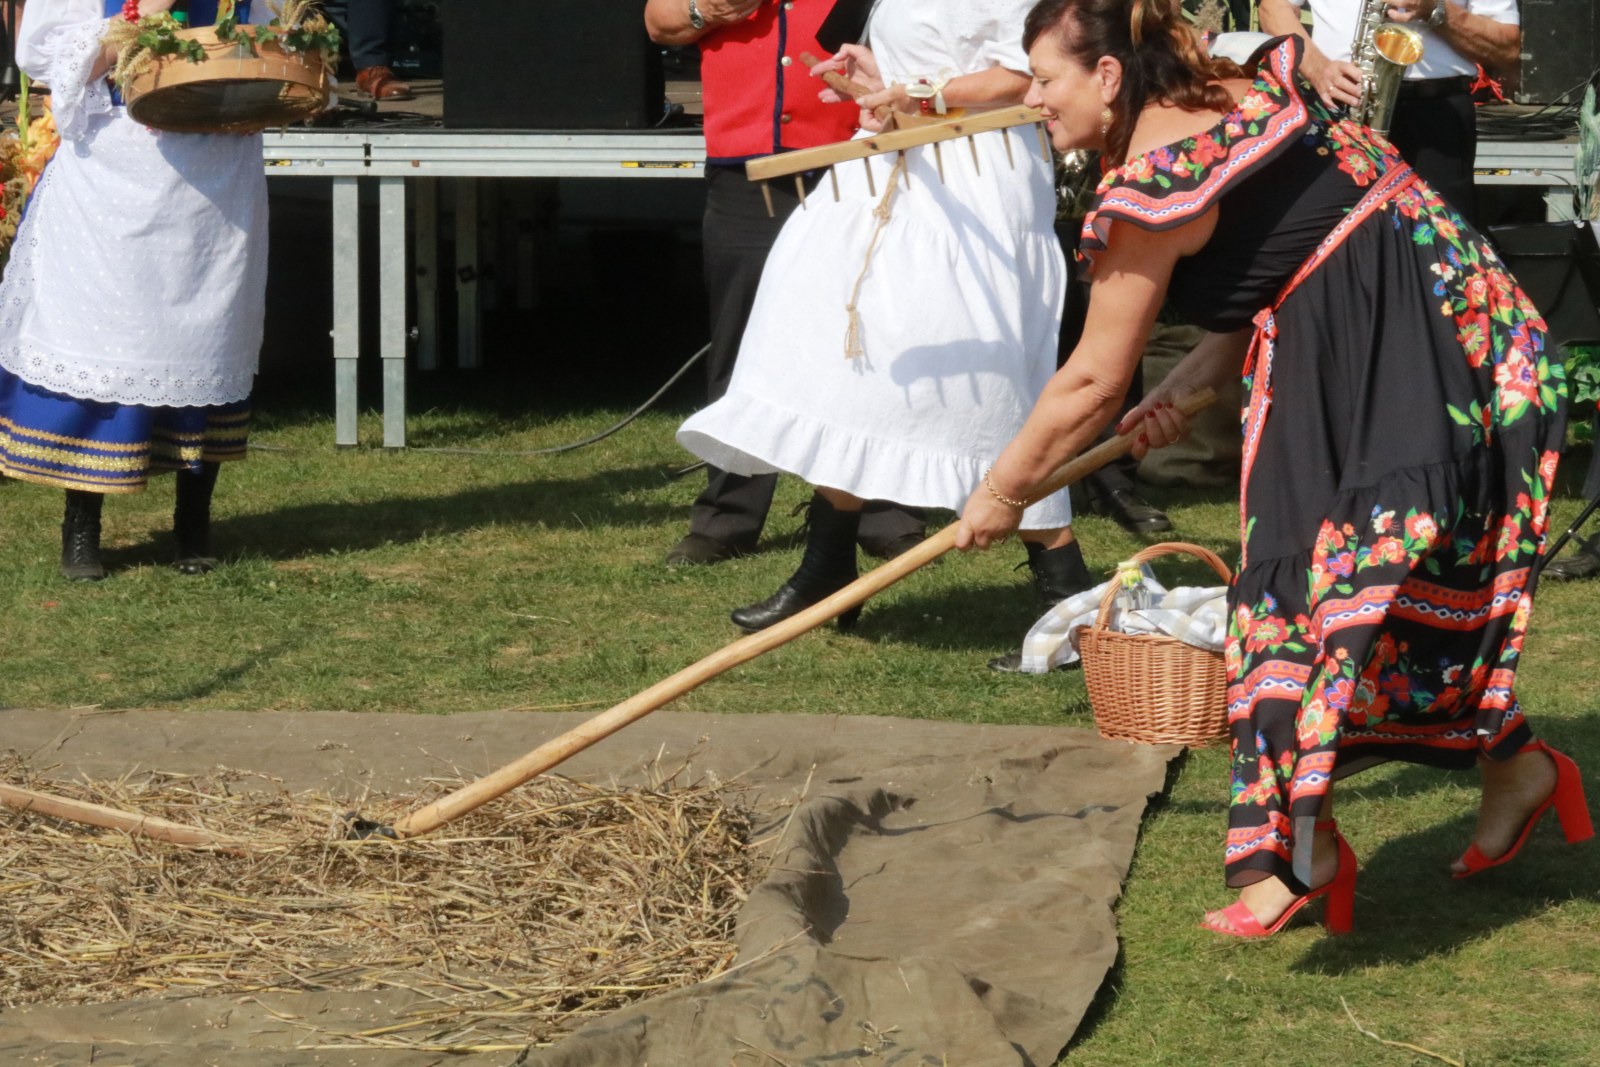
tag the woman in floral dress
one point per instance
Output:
(1400, 436)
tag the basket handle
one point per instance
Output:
(1144, 555)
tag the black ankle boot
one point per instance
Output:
(191, 519)
(828, 565)
(1057, 574)
(80, 537)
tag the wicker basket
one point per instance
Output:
(236, 89)
(1152, 688)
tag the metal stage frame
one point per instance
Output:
(407, 164)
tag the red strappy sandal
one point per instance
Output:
(1338, 916)
(1568, 800)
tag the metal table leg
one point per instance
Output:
(392, 285)
(469, 311)
(426, 213)
(346, 307)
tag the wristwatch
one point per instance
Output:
(1436, 17)
(698, 21)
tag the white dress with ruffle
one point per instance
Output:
(959, 310)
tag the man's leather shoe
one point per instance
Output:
(698, 548)
(381, 84)
(1582, 562)
(1131, 511)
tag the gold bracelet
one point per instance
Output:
(998, 495)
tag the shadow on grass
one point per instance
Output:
(596, 501)
(1409, 909)
(214, 682)
(969, 618)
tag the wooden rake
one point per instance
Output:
(555, 751)
(908, 131)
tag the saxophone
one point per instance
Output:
(1383, 50)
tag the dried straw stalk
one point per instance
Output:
(559, 902)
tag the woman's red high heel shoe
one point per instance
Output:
(1568, 800)
(1338, 916)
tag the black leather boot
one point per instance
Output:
(828, 565)
(80, 537)
(1057, 574)
(191, 519)
(1582, 562)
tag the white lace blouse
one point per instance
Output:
(139, 271)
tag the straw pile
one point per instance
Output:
(559, 902)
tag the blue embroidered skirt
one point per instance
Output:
(59, 440)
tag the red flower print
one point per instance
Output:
(1547, 468)
(1139, 169)
(1205, 149)
(1367, 701)
(1447, 700)
(1510, 531)
(1268, 633)
(1518, 380)
(1254, 105)
(1315, 721)
(1446, 227)
(1539, 515)
(1355, 163)
(1384, 653)
(1387, 550)
(1476, 291)
(1421, 527)
(1397, 687)
(1321, 578)
(1472, 331)
(1328, 539)
(1519, 621)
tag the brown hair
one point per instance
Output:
(1162, 56)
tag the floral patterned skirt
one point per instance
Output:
(1402, 437)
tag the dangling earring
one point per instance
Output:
(1105, 121)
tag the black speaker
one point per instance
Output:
(1558, 266)
(550, 65)
(1560, 50)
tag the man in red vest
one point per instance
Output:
(759, 98)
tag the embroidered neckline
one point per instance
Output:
(1170, 185)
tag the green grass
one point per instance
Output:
(434, 583)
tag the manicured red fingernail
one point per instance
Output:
(1150, 414)
(1144, 439)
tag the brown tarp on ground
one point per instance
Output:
(942, 894)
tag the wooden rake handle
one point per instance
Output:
(552, 752)
(132, 823)
(836, 81)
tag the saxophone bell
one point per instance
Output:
(1383, 50)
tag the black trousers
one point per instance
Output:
(737, 236)
(1436, 132)
(365, 26)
